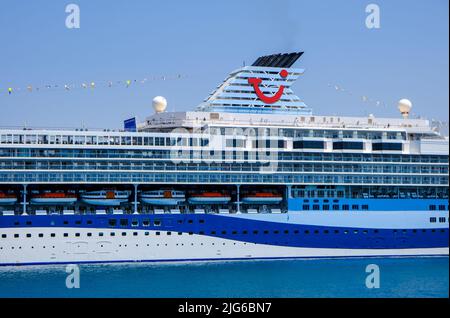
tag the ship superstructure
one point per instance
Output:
(250, 173)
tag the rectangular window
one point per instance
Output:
(112, 222)
(349, 145)
(380, 146)
(308, 144)
(345, 207)
(335, 206)
(123, 222)
(305, 207)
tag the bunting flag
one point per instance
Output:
(90, 84)
(363, 98)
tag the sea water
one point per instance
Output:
(396, 277)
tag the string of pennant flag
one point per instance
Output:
(379, 103)
(363, 98)
(11, 90)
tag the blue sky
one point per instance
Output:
(408, 57)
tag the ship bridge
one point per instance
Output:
(263, 88)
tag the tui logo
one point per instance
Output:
(267, 99)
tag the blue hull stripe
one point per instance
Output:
(251, 231)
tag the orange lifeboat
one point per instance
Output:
(262, 198)
(7, 199)
(209, 198)
(53, 198)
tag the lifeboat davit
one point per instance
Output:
(163, 197)
(105, 197)
(262, 198)
(209, 198)
(53, 198)
(7, 199)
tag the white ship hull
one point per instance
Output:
(162, 248)
(211, 200)
(104, 202)
(53, 201)
(162, 201)
(8, 201)
(261, 200)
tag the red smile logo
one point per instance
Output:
(267, 99)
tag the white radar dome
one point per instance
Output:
(159, 104)
(404, 106)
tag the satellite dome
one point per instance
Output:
(404, 106)
(159, 104)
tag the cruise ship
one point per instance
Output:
(250, 173)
